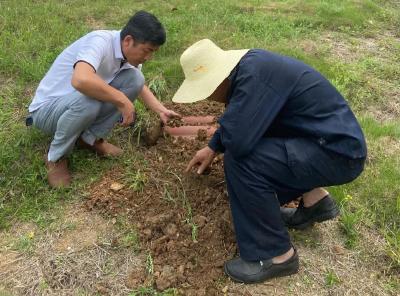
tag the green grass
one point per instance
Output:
(129, 237)
(24, 243)
(33, 33)
(373, 200)
(149, 264)
(331, 279)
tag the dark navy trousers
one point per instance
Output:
(277, 171)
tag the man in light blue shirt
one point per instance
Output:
(90, 85)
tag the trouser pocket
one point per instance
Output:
(315, 167)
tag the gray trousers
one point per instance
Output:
(75, 115)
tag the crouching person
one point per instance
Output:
(286, 132)
(92, 85)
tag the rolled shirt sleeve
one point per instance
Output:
(215, 143)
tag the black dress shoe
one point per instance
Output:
(302, 217)
(250, 272)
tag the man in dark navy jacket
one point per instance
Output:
(286, 133)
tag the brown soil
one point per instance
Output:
(183, 220)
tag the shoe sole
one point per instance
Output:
(318, 219)
(282, 273)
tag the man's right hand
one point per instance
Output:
(203, 158)
(128, 112)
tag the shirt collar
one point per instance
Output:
(117, 46)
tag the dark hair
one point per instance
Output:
(144, 27)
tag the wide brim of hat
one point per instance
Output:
(196, 90)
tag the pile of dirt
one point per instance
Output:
(183, 220)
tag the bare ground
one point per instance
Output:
(76, 255)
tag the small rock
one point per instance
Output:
(116, 186)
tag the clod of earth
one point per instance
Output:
(153, 133)
(175, 122)
(202, 134)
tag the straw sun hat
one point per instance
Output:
(205, 66)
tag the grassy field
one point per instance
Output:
(356, 44)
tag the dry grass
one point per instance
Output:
(78, 255)
(352, 50)
(328, 268)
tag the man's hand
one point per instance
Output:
(151, 101)
(166, 115)
(203, 158)
(128, 112)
